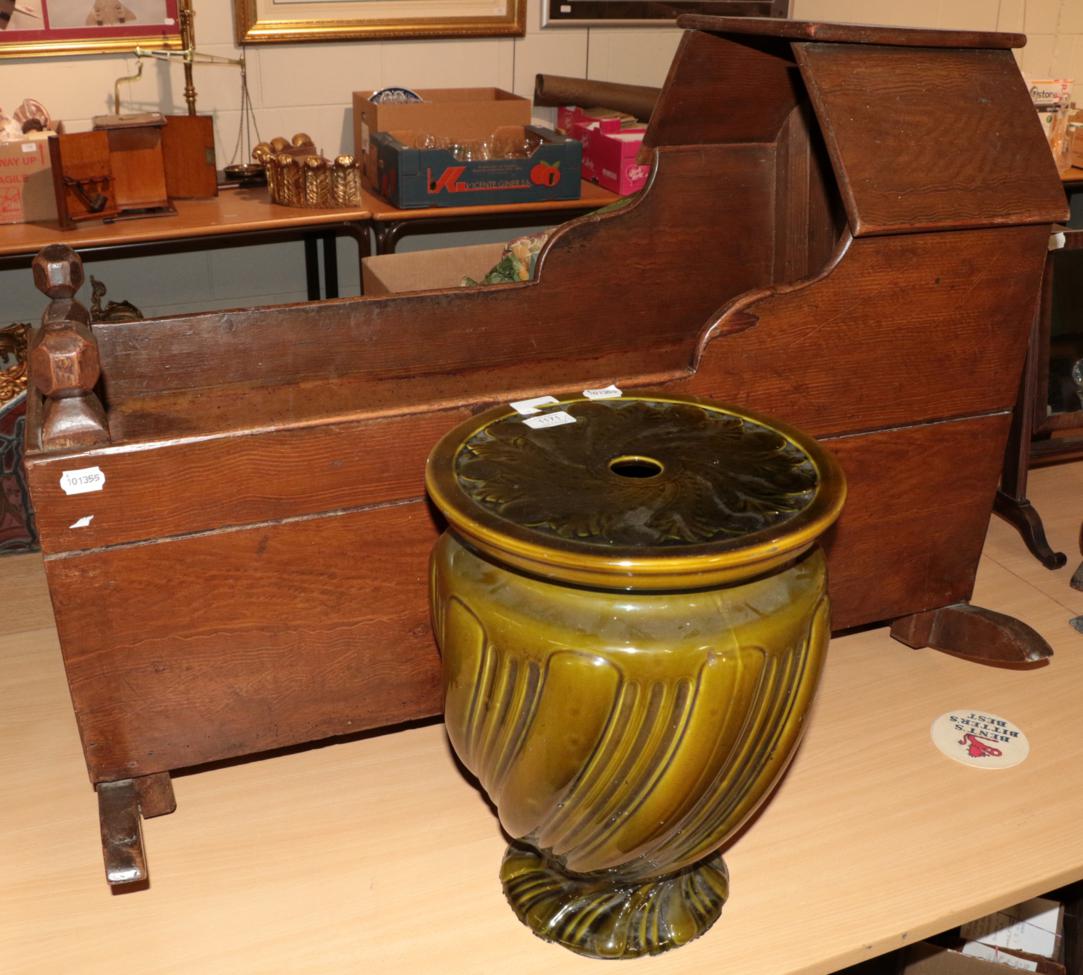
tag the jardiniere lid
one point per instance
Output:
(638, 492)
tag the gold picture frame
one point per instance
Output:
(297, 21)
(59, 28)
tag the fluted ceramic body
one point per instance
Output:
(632, 614)
(625, 730)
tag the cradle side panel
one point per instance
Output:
(656, 269)
(185, 651)
(179, 487)
(195, 649)
(902, 330)
(917, 510)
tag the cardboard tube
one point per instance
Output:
(637, 100)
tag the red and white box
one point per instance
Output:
(609, 149)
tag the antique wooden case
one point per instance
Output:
(135, 153)
(82, 177)
(844, 228)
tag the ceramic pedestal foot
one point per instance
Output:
(603, 916)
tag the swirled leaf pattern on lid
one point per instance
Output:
(697, 474)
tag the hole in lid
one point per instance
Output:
(630, 466)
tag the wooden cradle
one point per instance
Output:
(845, 229)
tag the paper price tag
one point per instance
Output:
(979, 739)
(545, 420)
(82, 481)
(610, 392)
(528, 407)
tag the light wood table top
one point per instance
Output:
(377, 855)
(233, 211)
(591, 198)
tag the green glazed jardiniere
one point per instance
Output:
(632, 614)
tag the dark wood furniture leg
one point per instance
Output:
(312, 268)
(330, 266)
(1077, 576)
(1011, 501)
(978, 634)
(122, 807)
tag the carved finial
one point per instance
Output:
(64, 362)
(58, 272)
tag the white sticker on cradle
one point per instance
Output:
(528, 407)
(557, 419)
(83, 522)
(980, 739)
(610, 392)
(82, 481)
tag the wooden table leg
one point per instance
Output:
(312, 268)
(1011, 501)
(330, 266)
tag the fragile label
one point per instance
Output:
(979, 739)
(528, 407)
(82, 481)
(557, 419)
(610, 392)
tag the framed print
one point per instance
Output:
(42, 28)
(619, 13)
(292, 21)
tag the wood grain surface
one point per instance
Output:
(188, 153)
(232, 211)
(376, 854)
(962, 119)
(886, 336)
(752, 90)
(204, 484)
(807, 30)
(171, 669)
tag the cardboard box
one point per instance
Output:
(1050, 92)
(459, 113)
(444, 267)
(410, 177)
(26, 182)
(611, 143)
(929, 959)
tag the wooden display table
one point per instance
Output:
(377, 855)
(234, 217)
(390, 224)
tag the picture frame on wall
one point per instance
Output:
(646, 13)
(51, 28)
(294, 21)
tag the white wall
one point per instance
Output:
(308, 87)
